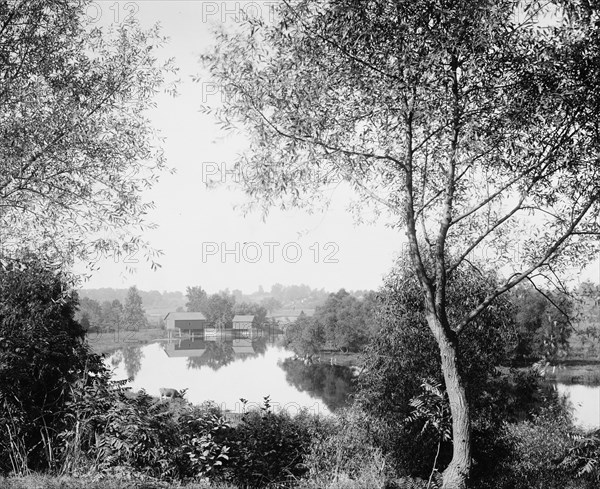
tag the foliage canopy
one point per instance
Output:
(76, 146)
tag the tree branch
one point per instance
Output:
(521, 276)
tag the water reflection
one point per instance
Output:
(131, 356)
(580, 384)
(217, 350)
(332, 383)
(226, 367)
(585, 402)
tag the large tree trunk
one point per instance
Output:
(456, 474)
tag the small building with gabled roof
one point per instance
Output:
(243, 322)
(192, 323)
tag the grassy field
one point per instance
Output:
(109, 342)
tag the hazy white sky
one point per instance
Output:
(206, 240)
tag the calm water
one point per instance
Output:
(225, 369)
(585, 401)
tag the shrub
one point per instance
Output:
(166, 440)
(535, 450)
(203, 442)
(138, 433)
(343, 452)
(42, 355)
(583, 457)
(268, 449)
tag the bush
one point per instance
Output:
(268, 449)
(343, 452)
(535, 455)
(166, 440)
(583, 457)
(42, 355)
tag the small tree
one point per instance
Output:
(219, 310)
(305, 335)
(91, 310)
(196, 299)
(134, 315)
(112, 315)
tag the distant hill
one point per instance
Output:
(152, 300)
(158, 304)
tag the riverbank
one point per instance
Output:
(574, 372)
(107, 343)
(338, 358)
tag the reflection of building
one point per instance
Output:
(243, 323)
(185, 348)
(192, 323)
(243, 346)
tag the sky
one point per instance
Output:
(206, 238)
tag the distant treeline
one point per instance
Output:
(152, 299)
(112, 315)
(284, 296)
(105, 309)
(545, 323)
(343, 322)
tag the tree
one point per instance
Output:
(42, 355)
(588, 312)
(404, 354)
(252, 309)
(196, 299)
(474, 124)
(219, 310)
(544, 325)
(347, 321)
(134, 316)
(75, 145)
(112, 315)
(90, 313)
(270, 304)
(305, 335)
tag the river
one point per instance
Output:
(225, 369)
(584, 401)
